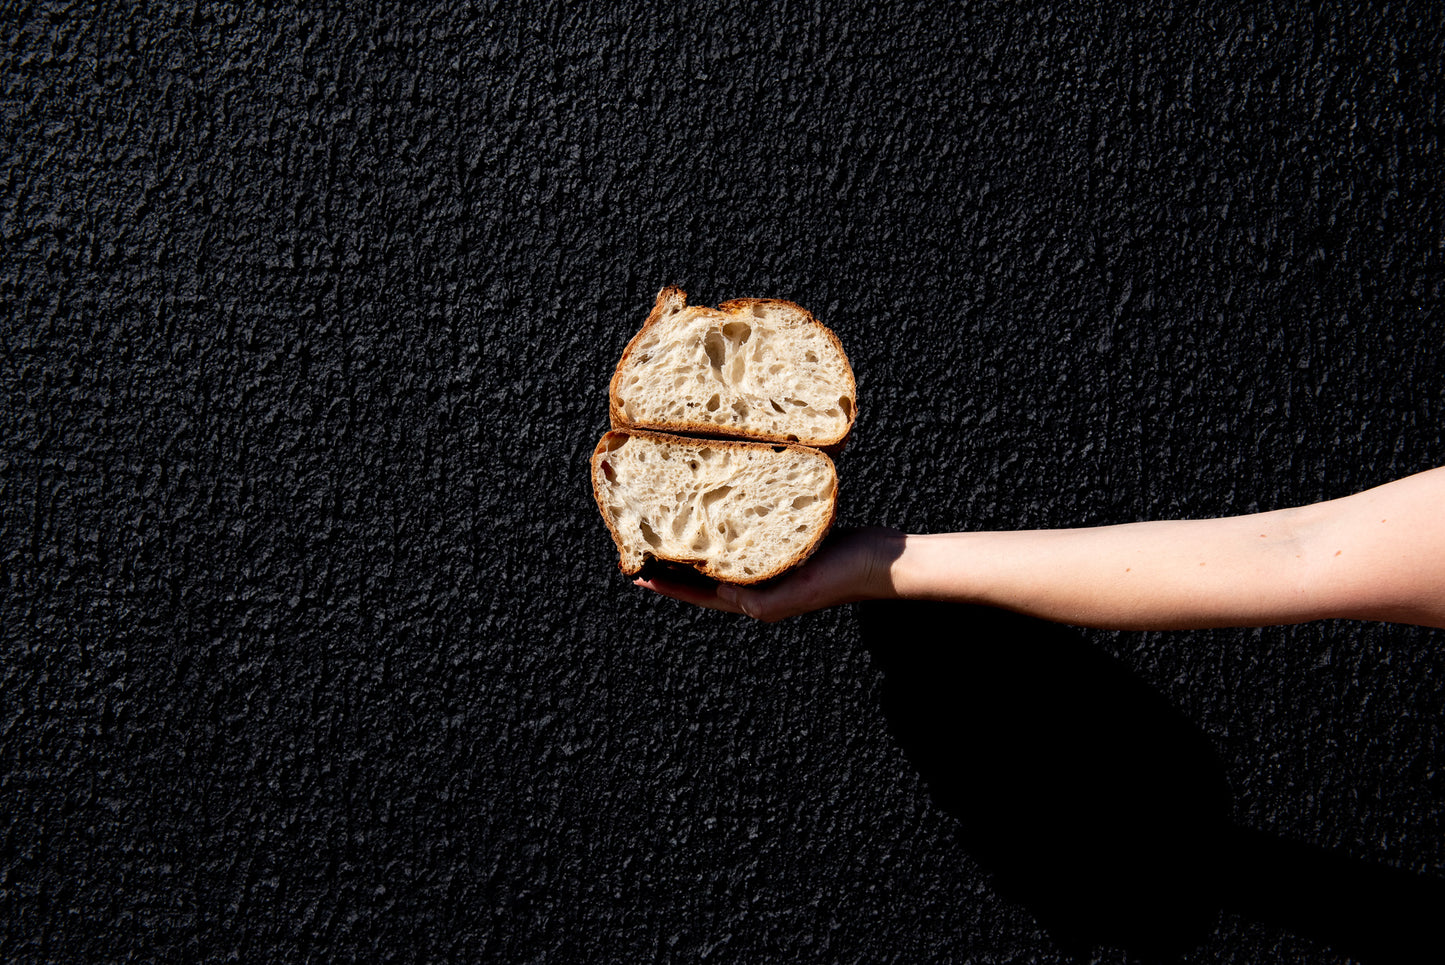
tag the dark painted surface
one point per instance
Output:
(313, 643)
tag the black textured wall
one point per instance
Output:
(314, 645)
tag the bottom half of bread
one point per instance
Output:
(738, 512)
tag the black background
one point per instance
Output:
(314, 644)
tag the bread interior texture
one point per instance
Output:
(763, 370)
(739, 512)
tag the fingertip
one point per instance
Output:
(652, 586)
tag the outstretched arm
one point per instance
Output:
(1378, 555)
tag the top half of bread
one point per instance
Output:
(756, 368)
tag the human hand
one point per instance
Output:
(851, 565)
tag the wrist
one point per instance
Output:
(883, 547)
(903, 568)
(926, 567)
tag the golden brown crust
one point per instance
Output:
(704, 566)
(595, 467)
(673, 296)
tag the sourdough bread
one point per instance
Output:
(737, 512)
(757, 369)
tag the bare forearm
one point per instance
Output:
(1378, 554)
(1159, 575)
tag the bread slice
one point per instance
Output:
(738, 512)
(757, 368)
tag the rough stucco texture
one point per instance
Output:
(314, 645)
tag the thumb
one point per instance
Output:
(747, 600)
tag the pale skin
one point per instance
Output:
(1374, 555)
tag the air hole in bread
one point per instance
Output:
(607, 471)
(616, 440)
(762, 510)
(737, 332)
(846, 404)
(792, 401)
(739, 367)
(715, 348)
(714, 402)
(741, 408)
(792, 438)
(776, 408)
(775, 368)
(783, 449)
(802, 502)
(705, 454)
(713, 495)
(760, 311)
(810, 356)
(648, 534)
(801, 529)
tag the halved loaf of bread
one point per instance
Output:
(758, 369)
(738, 512)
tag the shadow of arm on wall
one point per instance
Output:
(1098, 806)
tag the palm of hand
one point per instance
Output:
(850, 565)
